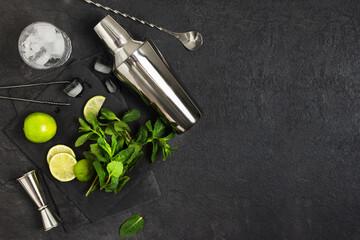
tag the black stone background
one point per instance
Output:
(276, 155)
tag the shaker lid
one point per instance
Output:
(116, 38)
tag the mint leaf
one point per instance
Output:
(93, 120)
(113, 144)
(93, 137)
(131, 226)
(95, 149)
(122, 181)
(142, 135)
(82, 139)
(159, 128)
(135, 159)
(137, 151)
(110, 131)
(84, 127)
(107, 114)
(113, 185)
(124, 155)
(101, 173)
(115, 169)
(105, 146)
(121, 126)
(169, 137)
(131, 115)
(120, 144)
(155, 150)
(90, 156)
(149, 126)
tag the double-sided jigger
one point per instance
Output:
(31, 184)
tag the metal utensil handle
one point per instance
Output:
(35, 101)
(131, 17)
(34, 84)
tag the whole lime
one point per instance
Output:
(39, 127)
(84, 170)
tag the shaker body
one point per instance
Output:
(146, 72)
(142, 67)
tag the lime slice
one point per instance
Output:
(59, 149)
(62, 167)
(93, 105)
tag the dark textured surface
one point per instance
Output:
(276, 153)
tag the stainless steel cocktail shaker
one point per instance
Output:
(31, 184)
(141, 66)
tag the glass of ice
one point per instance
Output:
(44, 46)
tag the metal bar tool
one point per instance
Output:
(31, 184)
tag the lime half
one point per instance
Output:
(93, 105)
(62, 167)
(59, 149)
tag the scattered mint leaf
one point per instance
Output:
(131, 115)
(115, 169)
(131, 226)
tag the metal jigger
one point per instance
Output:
(31, 184)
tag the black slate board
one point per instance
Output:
(98, 203)
(145, 191)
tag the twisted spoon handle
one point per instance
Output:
(131, 17)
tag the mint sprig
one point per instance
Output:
(114, 151)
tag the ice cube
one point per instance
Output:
(45, 33)
(41, 57)
(42, 60)
(102, 66)
(110, 85)
(57, 48)
(74, 88)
